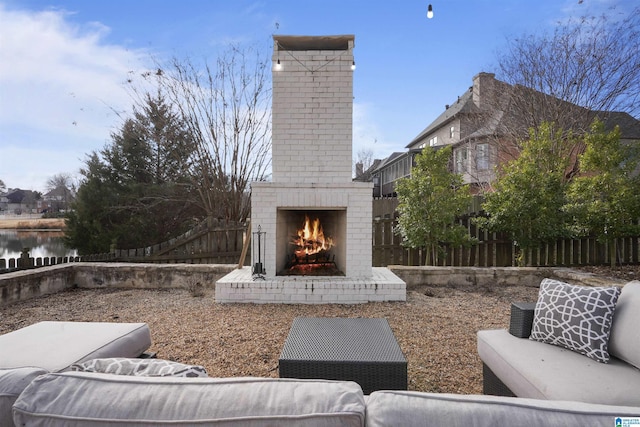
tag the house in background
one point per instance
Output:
(481, 127)
(56, 200)
(16, 201)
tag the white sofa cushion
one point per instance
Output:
(624, 342)
(55, 346)
(408, 409)
(12, 383)
(81, 399)
(140, 367)
(575, 317)
(541, 371)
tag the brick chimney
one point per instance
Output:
(483, 89)
(312, 108)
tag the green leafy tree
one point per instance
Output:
(529, 195)
(605, 199)
(429, 203)
(137, 191)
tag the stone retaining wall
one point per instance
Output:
(495, 276)
(22, 285)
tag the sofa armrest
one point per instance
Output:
(521, 319)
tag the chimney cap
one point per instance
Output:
(339, 42)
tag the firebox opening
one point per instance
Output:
(311, 242)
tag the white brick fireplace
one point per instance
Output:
(312, 115)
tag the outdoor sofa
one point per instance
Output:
(90, 399)
(574, 343)
(117, 390)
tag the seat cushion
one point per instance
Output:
(624, 342)
(408, 409)
(82, 398)
(55, 346)
(578, 318)
(12, 383)
(541, 371)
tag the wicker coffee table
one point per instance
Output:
(360, 350)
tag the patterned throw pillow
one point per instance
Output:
(140, 367)
(575, 317)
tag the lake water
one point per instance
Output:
(41, 243)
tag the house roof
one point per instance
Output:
(366, 175)
(59, 191)
(463, 104)
(629, 126)
(492, 122)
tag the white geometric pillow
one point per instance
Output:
(575, 317)
(140, 367)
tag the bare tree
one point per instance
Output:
(587, 67)
(226, 107)
(3, 187)
(59, 180)
(62, 183)
(364, 160)
(584, 68)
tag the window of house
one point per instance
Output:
(461, 157)
(482, 157)
(433, 141)
(452, 131)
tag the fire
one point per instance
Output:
(311, 239)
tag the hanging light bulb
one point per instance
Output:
(430, 12)
(278, 66)
(353, 65)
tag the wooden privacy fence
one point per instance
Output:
(221, 242)
(211, 242)
(495, 250)
(26, 262)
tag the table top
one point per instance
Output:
(342, 339)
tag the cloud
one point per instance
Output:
(61, 87)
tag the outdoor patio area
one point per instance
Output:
(436, 328)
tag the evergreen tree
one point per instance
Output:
(137, 191)
(429, 203)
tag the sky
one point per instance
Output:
(64, 63)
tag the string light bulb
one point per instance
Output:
(430, 12)
(353, 65)
(278, 66)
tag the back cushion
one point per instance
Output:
(624, 342)
(12, 383)
(409, 409)
(86, 399)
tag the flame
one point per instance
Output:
(311, 238)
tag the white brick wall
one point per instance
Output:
(312, 115)
(239, 287)
(354, 197)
